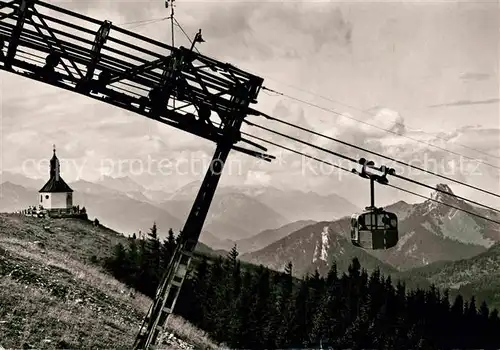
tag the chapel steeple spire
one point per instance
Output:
(54, 166)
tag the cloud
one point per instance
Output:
(467, 103)
(485, 140)
(126, 10)
(383, 130)
(259, 178)
(249, 31)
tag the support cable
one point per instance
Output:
(186, 35)
(356, 161)
(371, 115)
(350, 171)
(329, 110)
(372, 152)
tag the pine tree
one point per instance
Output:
(192, 301)
(152, 262)
(153, 243)
(471, 320)
(260, 310)
(236, 282)
(168, 248)
(301, 318)
(283, 317)
(360, 334)
(493, 326)
(326, 313)
(289, 268)
(354, 286)
(134, 260)
(119, 262)
(179, 237)
(153, 231)
(354, 268)
(484, 311)
(471, 311)
(456, 321)
(441, 319)
(233, 256)
(228, 292)
(315, 301)
(214, 298)
(242, 333)
(143, 274)
(483, 325)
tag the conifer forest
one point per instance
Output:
(250, 307)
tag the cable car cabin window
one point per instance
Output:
(354, 230)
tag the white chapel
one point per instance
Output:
(56, 194)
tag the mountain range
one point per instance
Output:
(268, 228)
(235, 214)
(431, 232)
(437, 244)
(428, 232)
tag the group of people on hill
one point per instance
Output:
(40, 211)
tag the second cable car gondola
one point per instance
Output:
(374, 228)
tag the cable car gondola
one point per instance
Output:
(374, 228)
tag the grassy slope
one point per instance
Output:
(51, 296)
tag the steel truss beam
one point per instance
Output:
(22, 13)
(100, 68)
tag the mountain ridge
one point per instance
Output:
(269, 236)
(425, 236)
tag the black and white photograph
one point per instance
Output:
(231, 174)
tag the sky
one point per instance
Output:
(391, 77)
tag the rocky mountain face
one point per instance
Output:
(431, 231)
(314, 247)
